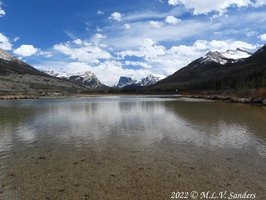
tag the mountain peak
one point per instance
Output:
(149, 80)
(225, 57)
(6, 56)
(214, 56)
(125, 81)
(87, 76)
(87, 79)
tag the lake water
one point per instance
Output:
(130, 147)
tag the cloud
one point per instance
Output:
(251, 34)
(4, 42)
(98, 29)
(172, 20)
(221, 6)
(156, 24)
(116, 16)
(167, 61)
(263, 37)
(138, 63)
(120, 38)
(46, 54)
(155, 15)
(99, 12)
(147, 49)
(2, 12)
(16, 39)
(77, 41)
(259, 3)
(26, 50)
(84, 51)
(127, 26)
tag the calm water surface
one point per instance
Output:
(126, 147)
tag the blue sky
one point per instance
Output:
(127, 38)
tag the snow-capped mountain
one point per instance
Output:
(229, 56)
(54, 73)
(7, 57)
(125, 81)
(236, 72)
(128, 81)
(86, 79)
(10, 64)
(149, 80)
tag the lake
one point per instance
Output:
(130, 147)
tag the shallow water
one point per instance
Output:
(129, 147)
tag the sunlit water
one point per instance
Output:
(129, 147)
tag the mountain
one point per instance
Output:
(125, 81)
(149, 80)
(229, 56)
(87, 79)
(10, 64)
(17, 76)
(230, 70)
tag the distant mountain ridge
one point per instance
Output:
(128, 81)
(219, 71)
(125, 81)
(85, 79)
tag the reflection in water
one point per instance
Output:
(199, 123)
(173, 127)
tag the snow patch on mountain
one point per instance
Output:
(87, 79)
(237, 54)
(149, 80)
(6, 56)
(225, 57)
(55, 73)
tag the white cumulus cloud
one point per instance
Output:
(138, 63)
(172, 20)
(221, 6)
(263, 37)
(83, 51)
(2, 12)
(26, 50)
(4, 42)
(259, 3)
(156, 24)
(116, 16)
